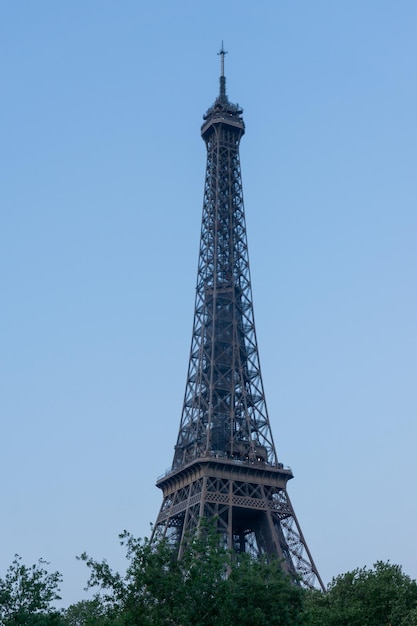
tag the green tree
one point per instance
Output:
(88, 613)
(259, 592)
(381, 596)
(208, 586)
(157, 588)
(27, 593)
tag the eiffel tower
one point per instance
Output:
(225, 465)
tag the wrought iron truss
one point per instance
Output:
(225, 465)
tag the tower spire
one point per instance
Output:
(222, 52)
(225, 467)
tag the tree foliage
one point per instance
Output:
(86, 613)
(207, 586)
(380, 596)
(27, 593)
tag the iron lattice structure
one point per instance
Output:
(225, 465)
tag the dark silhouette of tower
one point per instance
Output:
(225, 465)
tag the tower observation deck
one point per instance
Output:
(225, 466)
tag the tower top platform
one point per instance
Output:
(222, 110)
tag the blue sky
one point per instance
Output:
(102, 170)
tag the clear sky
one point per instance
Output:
(102, 170)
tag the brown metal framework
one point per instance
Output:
(225, 465)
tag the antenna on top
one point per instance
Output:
(222, 53)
